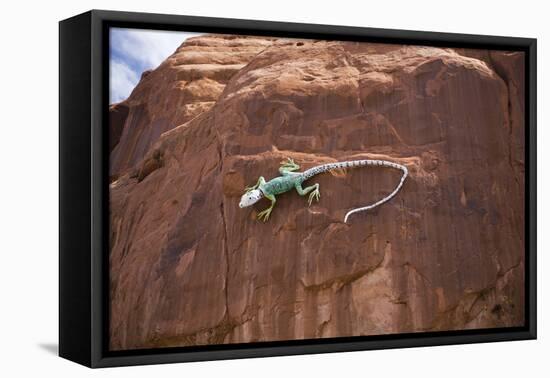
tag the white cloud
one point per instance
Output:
(134, 51)
(122, 80)
(149, 46)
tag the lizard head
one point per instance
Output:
(250, 198)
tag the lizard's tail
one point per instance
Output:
(361, 163)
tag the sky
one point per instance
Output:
(133, 51)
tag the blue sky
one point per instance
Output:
(133, 51)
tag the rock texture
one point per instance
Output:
(189, 267)
(183, 86)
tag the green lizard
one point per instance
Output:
(289, 179)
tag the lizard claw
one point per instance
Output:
(288, 161)
(315, 194)
(264, 215)
(289, 164)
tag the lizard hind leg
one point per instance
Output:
(313, 191)
(288, 165)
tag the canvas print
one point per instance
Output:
(275, 189)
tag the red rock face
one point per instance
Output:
(189, 267)
(183, 86)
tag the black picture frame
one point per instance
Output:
(83, 181)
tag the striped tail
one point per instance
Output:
(360, 163)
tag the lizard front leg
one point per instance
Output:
(261, 181)
(265, 214)
(314, 189)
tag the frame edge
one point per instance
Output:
(99, 359)
(74, 192)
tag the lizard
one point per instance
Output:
(290, 179)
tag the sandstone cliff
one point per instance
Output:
(189, 267)
(183, 86)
